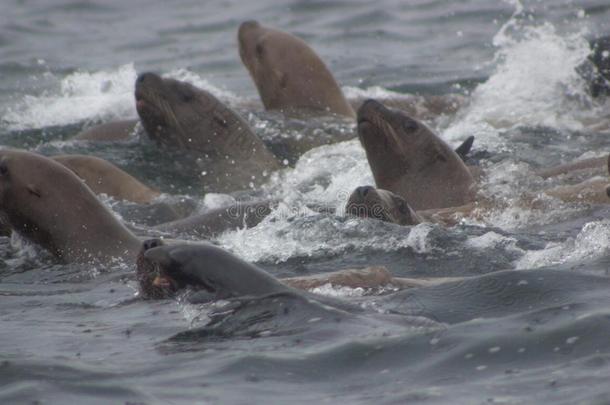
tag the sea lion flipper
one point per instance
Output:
(465, 147)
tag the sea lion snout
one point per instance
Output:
(151, 243)
(368, 107)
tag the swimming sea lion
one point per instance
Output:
(180, 115)
(288, 74)
(164, 269)
(216, 221)
(48, 204)
(369, 202)
(408, 159)
(103, 177)
(110, 131)
(597, 165)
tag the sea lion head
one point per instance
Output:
(154, 283)
(24, 196)
(288, 74)
(369, 202)
(48, 204)
(165, 269)
(408, 159)
(174, 112)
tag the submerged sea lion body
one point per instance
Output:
(217, 221)
(598, 165)
(408, 159)
(288, 74)
(103, 177)
(110, 131)
(179, 115)
(48, 204)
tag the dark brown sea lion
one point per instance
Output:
(110, 131)
(179, 115)
(369, 202)
(408, 159)
(103, 177)
(288, 74)
(214, 222)
(164, 269)
(48, 204)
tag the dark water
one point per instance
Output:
(77, 333)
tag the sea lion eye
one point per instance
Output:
(409, 124)
(402, 207)
(259, 49)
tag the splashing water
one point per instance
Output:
(99, 96)
(535, 83)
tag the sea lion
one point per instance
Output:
(600, 58)
(408, 159)
(288, 74)
(164, 269)
(180, 115)
(110, 131)
(103, 177)
(369, 202)
(597, 165)
(48, 204)
(216, 221)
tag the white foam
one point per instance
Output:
(535, 83)
(104, 95)
(376, 92)
(592, 242)
(338, 291)
(491, 240)
(326, 175)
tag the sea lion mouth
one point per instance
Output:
(152, 284)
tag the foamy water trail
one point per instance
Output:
(92, 96)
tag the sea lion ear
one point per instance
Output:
(34, 190)
(465, 147)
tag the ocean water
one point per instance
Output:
(530, 326)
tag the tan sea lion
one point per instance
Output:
(179, 115)
(48, 204)
(288, 74)
(110, 131)
(103, 177)
(597, 165)
(408, 159)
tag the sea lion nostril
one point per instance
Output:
(152, 243)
